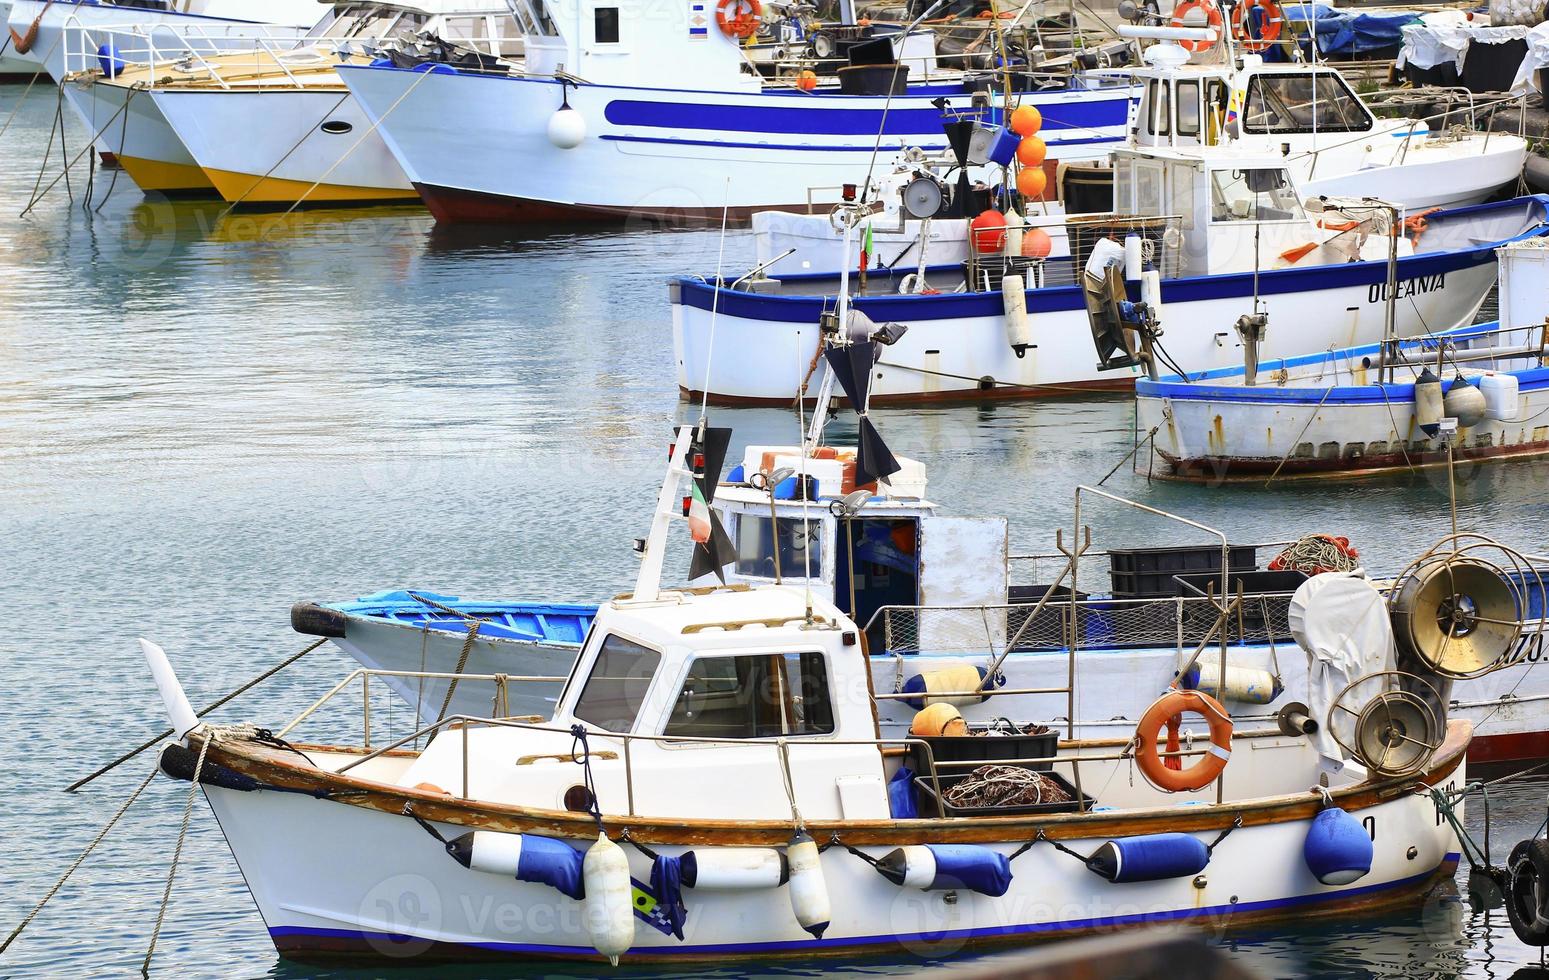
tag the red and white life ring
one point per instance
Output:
(1167, 773)
(1212, 20)
(1269, 26)
(738, 18)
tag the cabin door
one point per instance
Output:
(963, 568)
(877, 565)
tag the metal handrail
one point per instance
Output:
(366, 673)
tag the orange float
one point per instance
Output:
(807, 80)
(1026, 120)
(1032, 151)
(738, 18)
(1168, 774)
(988, 232)
(1212, 19)
(1032, 182)
(1036, 244)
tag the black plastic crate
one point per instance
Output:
(982, 748)
(1148, 572)
(932, 806)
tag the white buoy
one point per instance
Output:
(1019, 334)
(734, 868)
(911, 866)
(809, 891)
(1013, 233)
(1134, 264)
(1464, 402)
(567, 128)
(1151, 291)
(172, 697)
(494, 853)
(608, 909)
(1248, 685)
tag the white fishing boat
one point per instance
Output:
(620, 113)
(1210, 230)
(265, 120)
(1479, 392)
(734, 797)
(1331, 143)
(37, 27)
(12, 65)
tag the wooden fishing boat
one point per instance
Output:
(714, 785)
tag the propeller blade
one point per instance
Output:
(873, 460)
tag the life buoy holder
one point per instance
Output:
(738, 18)
(1212, 19)
(1169, 774)
(1270, 25)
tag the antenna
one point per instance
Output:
(715, 302)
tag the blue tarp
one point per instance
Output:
(1345, 32)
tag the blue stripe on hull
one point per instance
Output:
(816, 118)
(821, 148)
(804, 945)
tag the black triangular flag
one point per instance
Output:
(852, 366)
(713, 555)
(873, 460)
(959, 133)
(714, 446)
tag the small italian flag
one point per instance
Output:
(866, 246)
(698, 516)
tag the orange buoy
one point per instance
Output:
(988, 232)
(938, 719)
(807, 80)
(1032, 151)
(431, 788)
(1026, 120)
(1212, 20)
(1032, 182)
(1169, 775)
(1036, 243)
(738, 18)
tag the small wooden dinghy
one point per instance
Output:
(713, 785)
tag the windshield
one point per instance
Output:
(1303, 103)
(754, 696)
(616, 688)
(1252, 195)
(800, 553)
(369, 21)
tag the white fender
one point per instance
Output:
(735, 868)
(172, 697)
(567, 128)
(809, 891)
(608, 909)
(496, 853)
(1013, 291)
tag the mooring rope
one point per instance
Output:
(81, 859)
(177, 852)
(462, 663)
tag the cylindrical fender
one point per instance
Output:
(734, 868)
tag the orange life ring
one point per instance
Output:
(1269, 27)
(1168, 774)
(1212, 19)
(738, 18)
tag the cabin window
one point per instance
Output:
(763, 695)
(1252, 195)
(1303, 103)
(1188, 108)
(532, 18)
(618, 683)
(1159, 108)
(605, 25)
(1216, 98)
(799, 547)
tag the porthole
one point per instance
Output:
(336, 127)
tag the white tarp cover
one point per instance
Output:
(1537, 57)
(1427, 45)
(1341, 621)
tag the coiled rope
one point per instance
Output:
(1318, 553)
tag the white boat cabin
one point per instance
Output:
(887, 548)
(1220, 210)
(1258, 105)
(696, 673)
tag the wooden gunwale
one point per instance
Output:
(281, 768)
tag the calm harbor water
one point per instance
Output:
(204, 418)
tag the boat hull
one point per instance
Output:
(131, 127)
(956, 347)
(272, 147)
(322, 894)
(659, 153)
